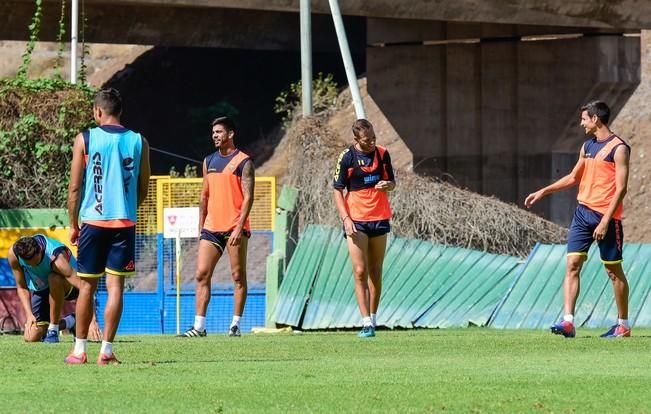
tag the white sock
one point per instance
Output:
(70, 321)
(569, 318)
(367, 321)
(236, 321)
(199, 323)
(623, 322)
(373, 317)
(53, 327)
(81, 345)
(107, 348)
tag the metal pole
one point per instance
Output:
(73, 41)
(348, 60)
(306, 56)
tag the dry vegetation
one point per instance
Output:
(423, 207)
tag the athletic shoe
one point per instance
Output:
(74, 359)
(103, 359)
(564, 328)
(234, 331)
(366, 332)
(617, 331)
(193, 333)
(51, 337)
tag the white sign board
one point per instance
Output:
(181, 221)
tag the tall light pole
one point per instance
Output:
(74, 28)
(306, 56)
(348, 60)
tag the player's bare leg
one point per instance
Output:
(358, 250)
(84, 308)
(207, 259)
(58, 287)
(376, 250)
(114, 304)
(237, 256)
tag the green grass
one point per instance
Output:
(462, 370)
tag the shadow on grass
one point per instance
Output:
(204, 361)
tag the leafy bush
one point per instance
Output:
(39, 119)
(38, 122)
(324, 99)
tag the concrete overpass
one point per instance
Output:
(273, 24)
(487, 91)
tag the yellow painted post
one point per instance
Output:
(178, 283)
(273, 202)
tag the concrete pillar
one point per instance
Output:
(409, 82)
(500, 115)
(463, 95)
(499, 111)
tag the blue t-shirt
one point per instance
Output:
(36, 277)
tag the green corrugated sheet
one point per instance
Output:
(473, 294)
(297, 283)
(536, 298)
(424, 284)
(428, 285)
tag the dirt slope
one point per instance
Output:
(341, 122)
(103, 61)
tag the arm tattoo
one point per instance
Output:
(248, 179)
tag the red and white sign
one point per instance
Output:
(181, 221)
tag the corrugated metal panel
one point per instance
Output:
(333, 288)
(424, 282)
(473, 293)
(536, 297)
(641, 273)
(297, 282)
(406, 289)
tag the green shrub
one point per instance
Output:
(324, 98)
(39, 119)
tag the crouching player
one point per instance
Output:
(46, 276)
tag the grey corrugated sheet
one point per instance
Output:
(536, 298)
(424, 284)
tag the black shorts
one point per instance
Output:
(219, 238)
(106, 250)
(372, 228)
(41, 304)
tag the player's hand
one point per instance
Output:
(600, 232)
(94, 333)
(30, 324)
(30, 321)
(349, 227)
(235, 237)
(74, 236)
(533, 198)
(383, 186)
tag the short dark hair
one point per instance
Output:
(598, 108)
(361, 126)
(109, 100)
(26, 248)
(224, 121)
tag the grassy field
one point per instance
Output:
(464, 370)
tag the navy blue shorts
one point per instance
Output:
(41, 304)
(106, 250)
(579, 238)
(372, 228)
(219, 238)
